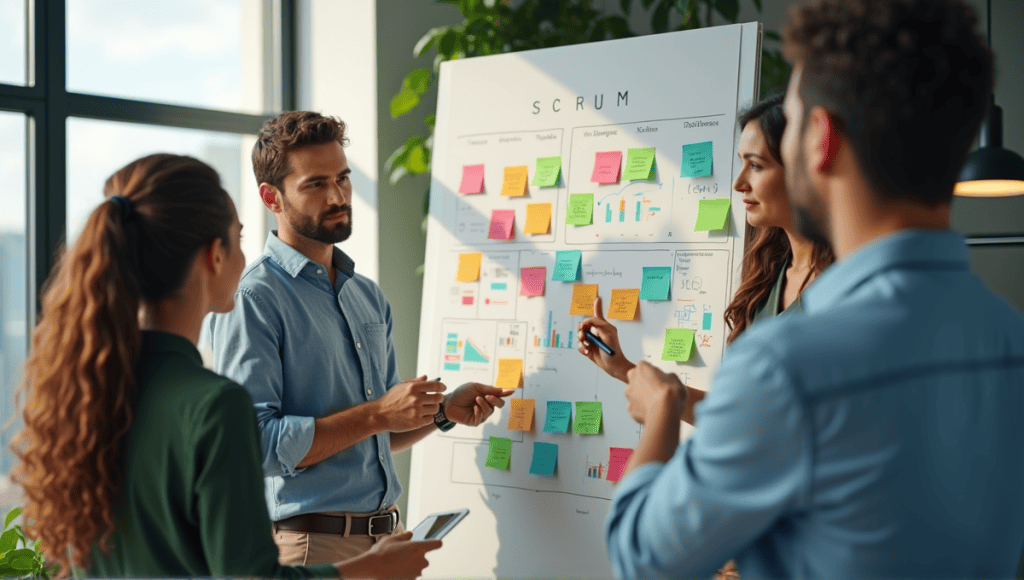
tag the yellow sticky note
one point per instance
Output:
(514, 183)
(510, 373)
(520, 416)
(623, 303)
(469, 267)
(538, 218)
(583, 296)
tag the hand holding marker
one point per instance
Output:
(600, 343)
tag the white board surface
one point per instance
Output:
(663, 91)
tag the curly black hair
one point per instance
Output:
(908, 82)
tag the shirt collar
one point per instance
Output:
(293, 261)
(157, 341)
(938, 248)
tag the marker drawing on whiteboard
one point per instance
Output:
(600, 344)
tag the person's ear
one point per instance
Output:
(271, 197)
(828, 137)
(214, 255)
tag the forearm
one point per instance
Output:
(693, 396)
(659, 441)
(620, 370)
(406, 439)
(339, 431)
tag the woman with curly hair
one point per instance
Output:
(135, 460)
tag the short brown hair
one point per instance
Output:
(908, 81)
(286, 132)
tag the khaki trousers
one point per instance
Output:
(300, 548)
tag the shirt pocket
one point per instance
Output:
(377, 347)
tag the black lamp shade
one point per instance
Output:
(992, 171)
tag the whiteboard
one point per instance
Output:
(663, 91)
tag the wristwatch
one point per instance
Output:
(441, 420)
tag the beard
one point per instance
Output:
(809, 215)
(316, 229)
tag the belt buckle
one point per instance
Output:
(385, 520)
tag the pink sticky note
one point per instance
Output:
(472, 179)
(501, 224)
(617, 462)
(606, 167)
(467, 300)
(532, 281)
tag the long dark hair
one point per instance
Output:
(768, 248)
(80, 374)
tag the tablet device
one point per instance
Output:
(435, 526)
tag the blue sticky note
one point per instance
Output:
(567, 265)
(697, 160)
(656, 283)
(707, 321)
(545, 457)
(559, 417)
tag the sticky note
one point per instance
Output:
(545, 457)
(520, 416)
(606, 167)
(618, 456)
(538, 218)
(583, 296)
(588, 418)
(558, 417)
(623, 303)
(711, 214)
(469, 267)
(656, 282)
(639, 164)
(548, 171)
(499, 452)
(501, 224)
(678, 344)
(531, 280)
(581, 209)
(472, 179)
(567, 265)
(697, 160)
(510, 373)
(514, 183)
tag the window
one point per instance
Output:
(13, 42)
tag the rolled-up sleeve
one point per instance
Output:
(246, 346)
(747, 464)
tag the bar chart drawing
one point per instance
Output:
(551, 337)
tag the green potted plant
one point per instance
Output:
(26, 561)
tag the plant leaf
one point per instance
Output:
(417, 81)
(729, 9)
(757, 4)
(21, 553)
(6, 570)
(418, 162)
(659, 22)
(626, 5)
(430, 120)
(448, 42)
(428, 40)
(403, 102)
(22, 563)
(11, 515)
(647, 3)
(687, 10)
(772, 35)
(8, 540)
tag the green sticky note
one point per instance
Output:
(678, 344)
(588, 418)
(548, 171)
(499, 452)
(711, 214)
(656, 283)
(639, 164)
(697, 160)
(581, 209)
(545, 457)
(567, 265)
(559, 416)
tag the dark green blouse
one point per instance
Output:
(191, 502)
(770, 307)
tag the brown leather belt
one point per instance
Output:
(379, 525)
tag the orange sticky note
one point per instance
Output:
(538, 218)
(623, 303)
(502, 221)
(520, 417)
(472, 179)
(515, 180)
(583, 296)
(469, 267)
(532, 280)
(510, 373)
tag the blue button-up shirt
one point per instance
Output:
(877, 434)
(304, 349)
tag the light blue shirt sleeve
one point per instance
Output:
(747, 463)
(247, 349)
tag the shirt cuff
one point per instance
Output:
(294, 443)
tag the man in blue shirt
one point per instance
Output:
(878, 434)
(310, 339)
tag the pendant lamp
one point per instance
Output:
(991, 170)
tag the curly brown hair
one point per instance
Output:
(768, 248)
(907, 81)
(80, 374)
(286, 132)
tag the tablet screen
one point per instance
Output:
(438, 524)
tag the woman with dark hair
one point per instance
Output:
(135, 460)
(778, 263)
